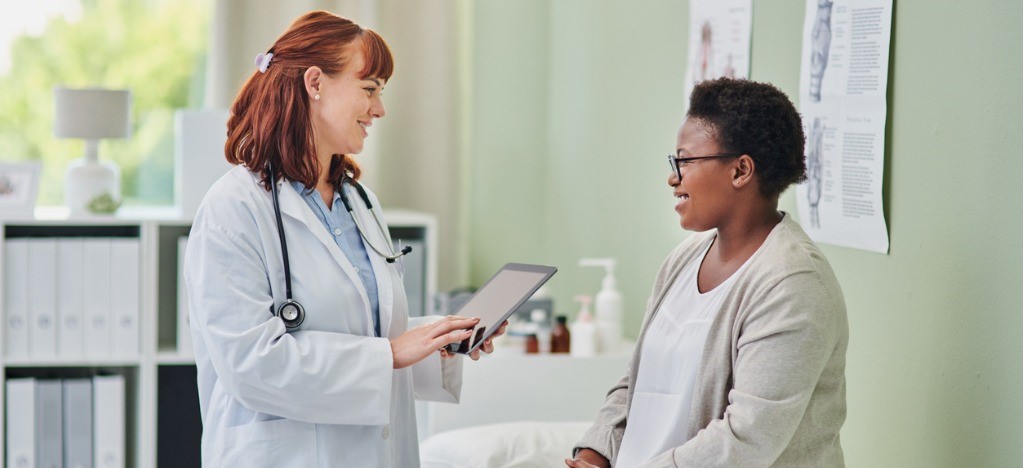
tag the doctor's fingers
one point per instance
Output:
(488, 344)
(500, 331)
(452, 323)
(454, 336)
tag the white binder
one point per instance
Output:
(96, 297)
(16, 298)
(78, 423)
(184, 330)
(21, 426)
(42, 297)
(70, 295)
(49, 424)
(124, 296)
(108, 421)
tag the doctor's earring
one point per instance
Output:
(316, 97)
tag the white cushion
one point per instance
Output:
(506, 445)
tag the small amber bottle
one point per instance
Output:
(532, 344)
(560, 338)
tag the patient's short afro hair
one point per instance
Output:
(756, 119)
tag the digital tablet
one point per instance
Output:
(498, 299)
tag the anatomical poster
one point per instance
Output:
(719, 40)
(842, 88)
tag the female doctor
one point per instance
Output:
(302, 341)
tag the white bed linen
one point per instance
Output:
(505, 445)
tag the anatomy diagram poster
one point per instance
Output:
(842, 87)
(719, 40)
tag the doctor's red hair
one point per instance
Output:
(270, 116)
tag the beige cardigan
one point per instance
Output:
(771, 386)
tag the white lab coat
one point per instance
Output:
(324, 396)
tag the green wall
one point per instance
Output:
(575, 102)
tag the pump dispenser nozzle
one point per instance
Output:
(609, 269)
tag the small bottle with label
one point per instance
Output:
(561, 341)
(532, 344)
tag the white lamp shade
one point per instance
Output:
(91, 113)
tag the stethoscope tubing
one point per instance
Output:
(291, 312)
(390, 255)
(280, 231)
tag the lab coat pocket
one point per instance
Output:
(277, 443)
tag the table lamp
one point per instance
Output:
(91, 114)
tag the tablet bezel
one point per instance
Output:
(464, 346)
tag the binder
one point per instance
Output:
(42, 298)
(96, 296)
(108, 421)
(16, 298)
(184, 329)
(21, 426)
(124, 296)
(78, 423)
(49, 421)
(70, 294)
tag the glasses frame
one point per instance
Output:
(677, 162)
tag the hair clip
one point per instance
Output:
(263, 61)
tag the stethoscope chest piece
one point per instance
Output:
(292, 314)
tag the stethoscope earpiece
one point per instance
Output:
(390, 255)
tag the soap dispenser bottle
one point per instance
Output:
(584, 331)
(608, 306)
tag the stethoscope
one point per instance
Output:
(291, 312)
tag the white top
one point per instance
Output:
(670, 360)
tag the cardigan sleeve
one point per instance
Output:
(605, 435)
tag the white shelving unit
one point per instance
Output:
(158, 232)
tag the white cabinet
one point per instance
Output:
(514, 387)
(99, 296)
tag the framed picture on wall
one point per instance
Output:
(19, 185)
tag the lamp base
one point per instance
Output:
(87, 179)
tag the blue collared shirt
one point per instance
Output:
(341, 227)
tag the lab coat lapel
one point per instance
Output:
(381, 269)
(294, 206)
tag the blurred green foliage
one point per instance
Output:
(155, 48)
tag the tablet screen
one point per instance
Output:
(498, 299)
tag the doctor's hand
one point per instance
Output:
(418, 343)
(488, 345)
(587, 458)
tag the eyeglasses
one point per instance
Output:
(678, 163)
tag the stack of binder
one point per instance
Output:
(72, 297)
(71, 422)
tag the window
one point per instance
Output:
(156, 48)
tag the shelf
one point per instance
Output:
(59, 215)
(73, 362)
(174, 358)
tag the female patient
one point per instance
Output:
(741, 356)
